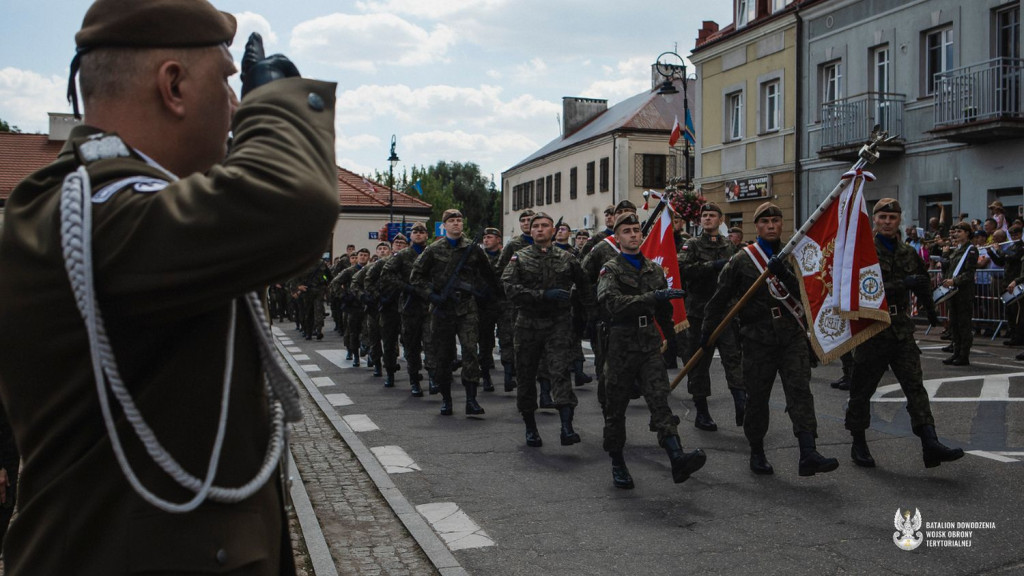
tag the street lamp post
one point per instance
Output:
(392, 161)
(671, 71)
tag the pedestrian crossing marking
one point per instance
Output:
(998, 456)
(394, 459)
(276, 331)
(301, 357)
(336, 357)
(994, 388)
(286, 341)
(309, 367)
(456, 528)
(338, 400)
(360, 423)
(323, 381)
(293, 349)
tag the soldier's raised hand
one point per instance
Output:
(258, 69)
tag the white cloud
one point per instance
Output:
(364, 42)
(26, 97)
(531, 70)
(356, 142)
(249, 22)
(349, 164)
(434, 9)
(626, 78)
(460, 144)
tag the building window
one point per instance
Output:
(558, 186)
(746, 12)
(604, 174)
(515, 197)
(590, 177)
(572, 184)
(938, 55)
(831, 81)
(734, 120)
(540, 191)
(548, 188)
(770, 106)
(778, 5)
(653, 170)
(1008, 33)
(880, 75)
(529, 195)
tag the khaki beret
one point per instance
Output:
(582, 232)
(625, 205)
(625, 218)
(565, 224)
(400, 238)
(711, 207)
(419, 227)
(887, 205)
(526, 213)
(492, 232)
(541, 216)
(383, 243)
(735, 230)
(767, 209)
(610, 209)
(154, 24)
(449, 214)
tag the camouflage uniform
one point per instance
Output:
(490, 316)
(334, 300)
(413, 310)
(579, 322)
(961, 304)
(458, 315)
(362, 286)
(311, 301)
(698, 268)
(594, 241)
(592, 265)
(507, 325)
(389, 324)
(626, 299)
(895, 346)
(342, 285)
(543, 325)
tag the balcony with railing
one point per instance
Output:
(980, 102)
(847, 123)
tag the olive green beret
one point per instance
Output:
(711, 207)
(492, 231)
(583, 232)
(736, 229)
(767, 209)
(419, 227)
(400, 237)
(154, 24)
(625, 205)
(887, 205)
(541, 216)
(625, 218)
(526, 213)
(450, 213)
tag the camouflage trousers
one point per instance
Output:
(791, 362)
(416, 341)
(354, 328)
(543, 347)
(390, 327)
(372, 334)
(621, 369)
(490, 317)
(444, 329)
(507, 334)
(870, 362)
(698, 381)
(311, 312)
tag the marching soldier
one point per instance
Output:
(774, 341)
(508, 318)
(343, 285)
(311, 298)
(582, 236)
(700, 261)
(563, 239)
(366, 284)
(633, 293)
(490, 311)
(336, 304)
(538, 279)
(414, 313)
(903, 272)
(958, 272)
(609, 221)
(449, 274)
(389, 316)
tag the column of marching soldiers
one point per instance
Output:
(547, 290)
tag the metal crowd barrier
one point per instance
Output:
(989, 311)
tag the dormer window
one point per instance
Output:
(746, 12)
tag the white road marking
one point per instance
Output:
(336, 357)
(276, 331)
(293, 349)
(339, 400)
(360, 423)
(997, 456)
(309, 367)
(994, 388)
(301, 357)
(394, 459)
(453, 526)
(322, 381)
(286, 341)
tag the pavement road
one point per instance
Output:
(503, 508)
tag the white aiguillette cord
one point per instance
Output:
(76, 242)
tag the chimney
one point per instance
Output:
(61, 125)
(578, 111)
(708, 28)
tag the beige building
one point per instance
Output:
(748, 85)
(604, 155)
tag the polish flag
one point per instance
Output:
(677, 130)
(660, 248)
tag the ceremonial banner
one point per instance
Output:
(660, 247)
(842, 289)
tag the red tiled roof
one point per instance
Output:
(21, 155)
(357, 192)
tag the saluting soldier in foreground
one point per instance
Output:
(633, 293)
(168, 235)
(903, 272)
(774, 342)
(538, 279)
(413, 309)
(449, 274)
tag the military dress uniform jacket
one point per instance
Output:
(626, 299)
(533, 270)
(169, 258)
(696, 267)
(437, 263)
(896, 265)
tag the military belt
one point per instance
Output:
(776, 312)
(894, 310)
(638, 321)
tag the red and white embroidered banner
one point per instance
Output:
(842, 289)
(660, 247)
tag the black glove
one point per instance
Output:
(719, 264)
(258, 69)
(933, 318)
(556, 294)
(666, 294)
(915, 281)
(436, 299)
(777, 266)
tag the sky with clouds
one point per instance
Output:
(462, 80)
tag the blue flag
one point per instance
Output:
(688, 132)
(419, 189)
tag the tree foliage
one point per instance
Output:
(5, 127)
(453, 185)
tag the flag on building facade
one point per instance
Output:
(842, 291)
(660, 247)
(676, 131)
(688, 132)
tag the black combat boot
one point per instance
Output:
(456, 365)
(704, 421)
(389, 380)
(486, 378)
(446, 398)
(811, 462)
(510, 378)
(432, 387)
(532, 435)
(758, 461)
(739, 401)
(376, 368)
(569, 436)
(545, 393)
(472, 407)
(349, 355)
(319, 334)
(947, 348)
(841, 383)
(859, 451)
(414, 386)
(935, 452)
(581, 376)
(683, 463)
(620, 474)
(355, 360)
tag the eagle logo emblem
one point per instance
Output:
(907, 535)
